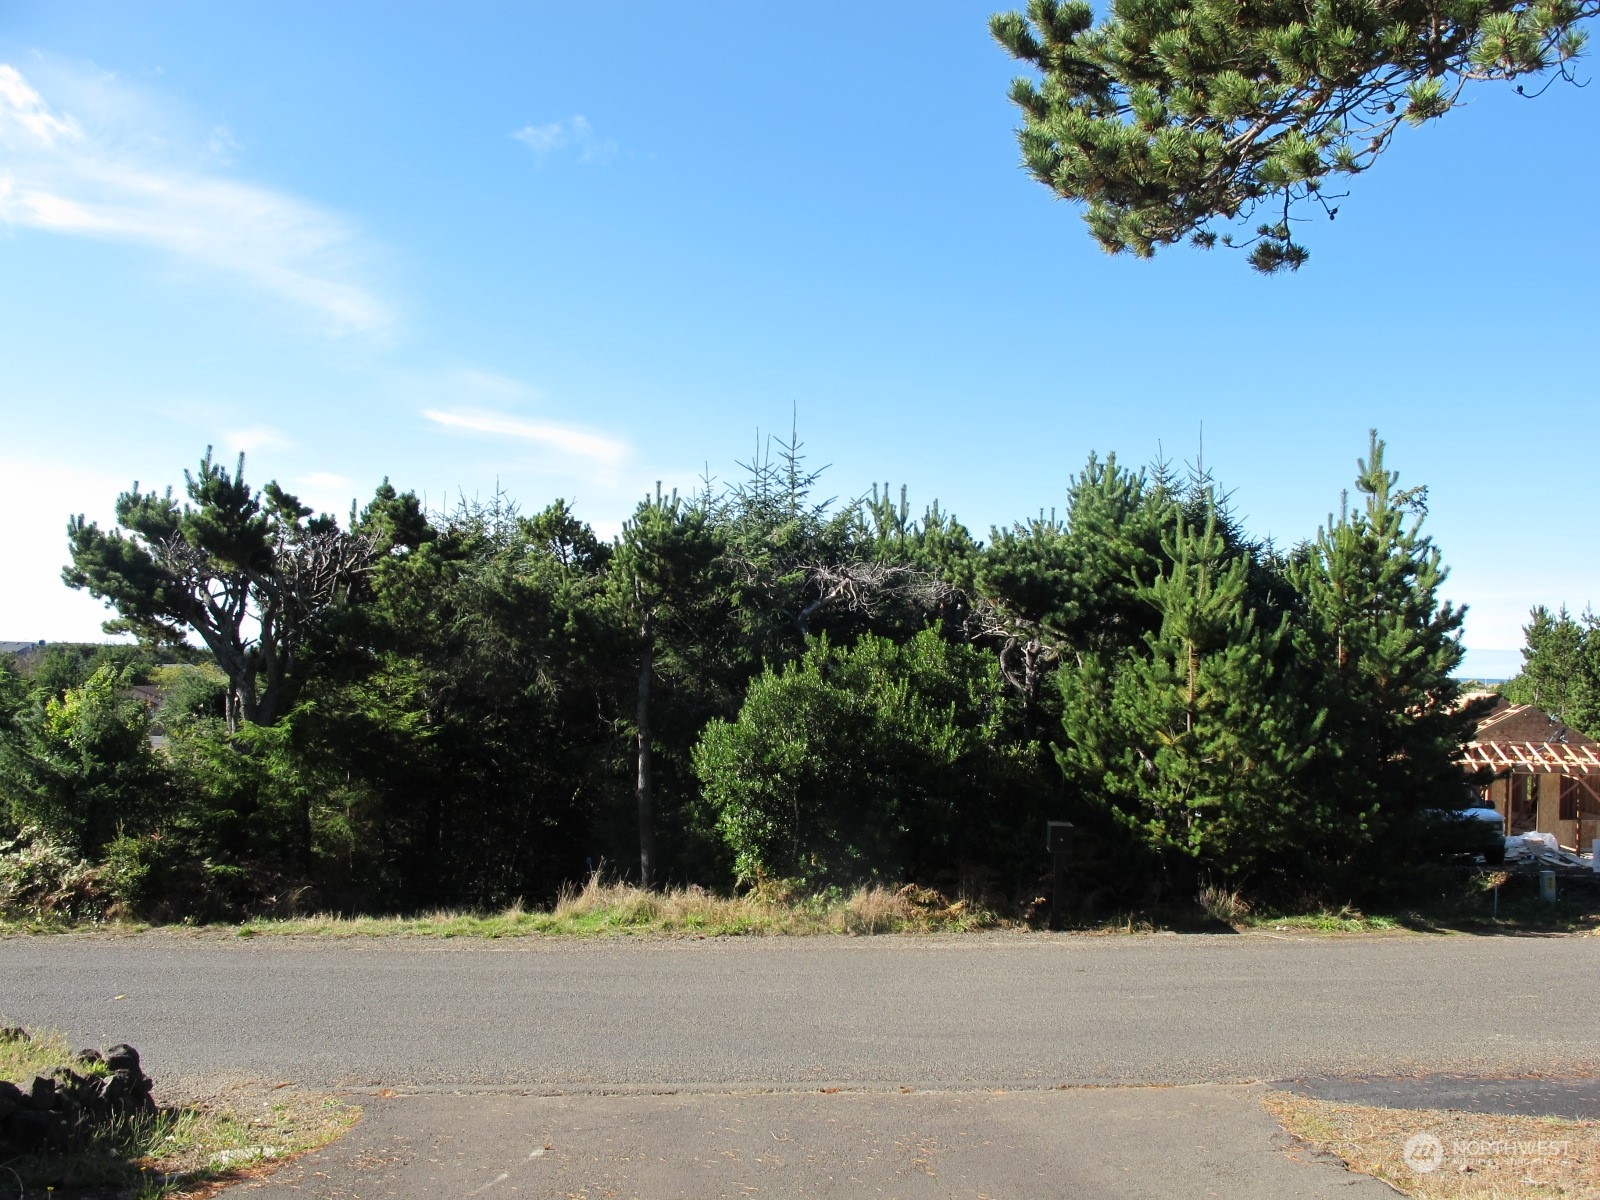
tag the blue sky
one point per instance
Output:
(571, 249)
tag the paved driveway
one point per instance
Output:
(1122, 1143)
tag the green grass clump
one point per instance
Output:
(22, 1057)
(1344, 920)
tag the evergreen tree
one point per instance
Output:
(1385, 647)
(1560, 668)
(1191, 740)
(776, 535)
(1171, 115)
(79, 766)
(440, 702)
(478, 716)
(672, 587)
(1074, 580)
(246, 572)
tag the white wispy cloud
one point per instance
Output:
(593, 446)
(542, 139)
(81, 175)
(24, 107)
(575, 132)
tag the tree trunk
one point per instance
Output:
(647, 835)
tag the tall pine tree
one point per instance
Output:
(1189, 739)
(672, 588)
(1384, 645)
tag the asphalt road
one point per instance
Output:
(1010, 1011)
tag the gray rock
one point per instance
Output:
(120, 1087)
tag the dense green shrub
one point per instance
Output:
(79, 766)
(875, 761)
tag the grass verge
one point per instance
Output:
(1479, 1156)
(185, 1148)
(1484, 901)
(1487, 900)
(601, 908)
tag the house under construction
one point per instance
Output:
(1546, 774)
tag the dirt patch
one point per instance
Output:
(1435, 1154)
(244, 1130)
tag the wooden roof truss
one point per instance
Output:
(1532, 757)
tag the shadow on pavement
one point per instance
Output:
(1575, 1099)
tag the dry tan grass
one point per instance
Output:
(772, 910)
(1485, 1156)
(608, 907)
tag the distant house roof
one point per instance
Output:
(1522, 738)
(19, 647)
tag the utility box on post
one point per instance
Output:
(1058, 840)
